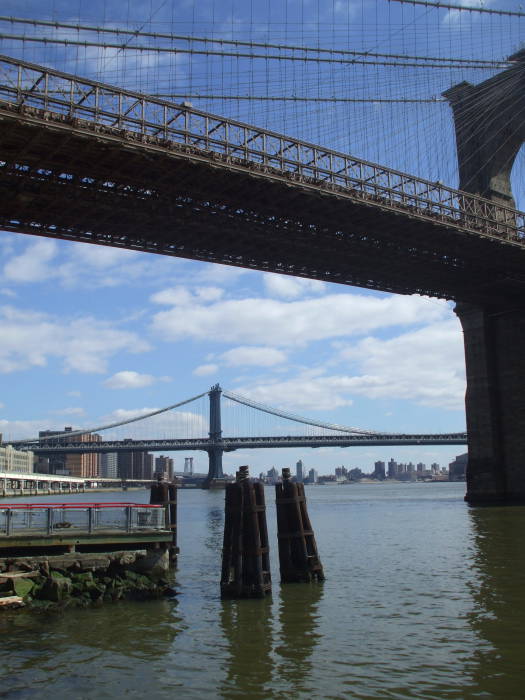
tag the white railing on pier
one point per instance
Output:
(44, 519)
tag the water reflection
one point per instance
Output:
(215, 527)
(299, 635)
(247, 628)
(499, 615)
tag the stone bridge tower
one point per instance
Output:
(489, 121)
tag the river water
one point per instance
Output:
(423, 598)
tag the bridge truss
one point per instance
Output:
(86, 161)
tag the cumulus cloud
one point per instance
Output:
(81, 265)
(31, 339)
(291, 287)
(256, 356)
(425, 366)
(171, 424)
(456, 18)
(128, 379)
(205, 370)
(73, 411)
(33, 264)
(258, 321)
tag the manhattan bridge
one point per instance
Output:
(169, 429)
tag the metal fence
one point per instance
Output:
(55, 96)
(49, 519)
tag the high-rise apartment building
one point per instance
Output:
(85, 465)
(135, 465)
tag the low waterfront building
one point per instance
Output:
(18, 461)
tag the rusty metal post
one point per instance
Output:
(245, 557)
(298, 557)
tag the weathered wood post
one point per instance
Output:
(245, 554)
(165, 494)
(298, 557)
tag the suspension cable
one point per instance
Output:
(72, 433)
(298, 419)
(265, 56)
(238, 42)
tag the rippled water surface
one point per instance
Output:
(423, 599)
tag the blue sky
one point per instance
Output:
(90, 333)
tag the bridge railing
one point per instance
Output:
(55, 96)
(88, 518)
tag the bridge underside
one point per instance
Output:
(73, 180)
(62, 180)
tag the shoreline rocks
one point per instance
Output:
(83, 580)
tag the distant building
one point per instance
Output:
(188, 465)
(299, 470)
(84, 465)
(379, 470)
(272, 476)
(164, 467)
(312, 477)
(109, 465)
(341, 473)
(12, 460)
(134, 465)
(392, 469)
(457, 470)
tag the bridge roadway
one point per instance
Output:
(232, 444)
(84, 161)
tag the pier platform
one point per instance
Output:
(38, 528)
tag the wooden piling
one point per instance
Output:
(166, 495)
(245, 554)
(298, 557)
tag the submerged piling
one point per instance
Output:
(245, 554)
(298, 557)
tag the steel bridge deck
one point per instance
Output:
(88, 162)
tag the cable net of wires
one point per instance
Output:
(244, 417)
(365, 77)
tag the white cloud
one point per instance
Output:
(205, 370)
(425, 366)
(256, 356)
(171, 424)
(30, 339)
(291, 287)
(456, 18)
(305, 392)
(32, 264)
(7, 292)
(73, 411)
(257, 320)
(26, 429)
(128, 379)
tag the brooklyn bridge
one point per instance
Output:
(85, 161)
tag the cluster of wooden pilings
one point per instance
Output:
(165, 493)
(298, 557)
(245, 558)
(245, 553)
